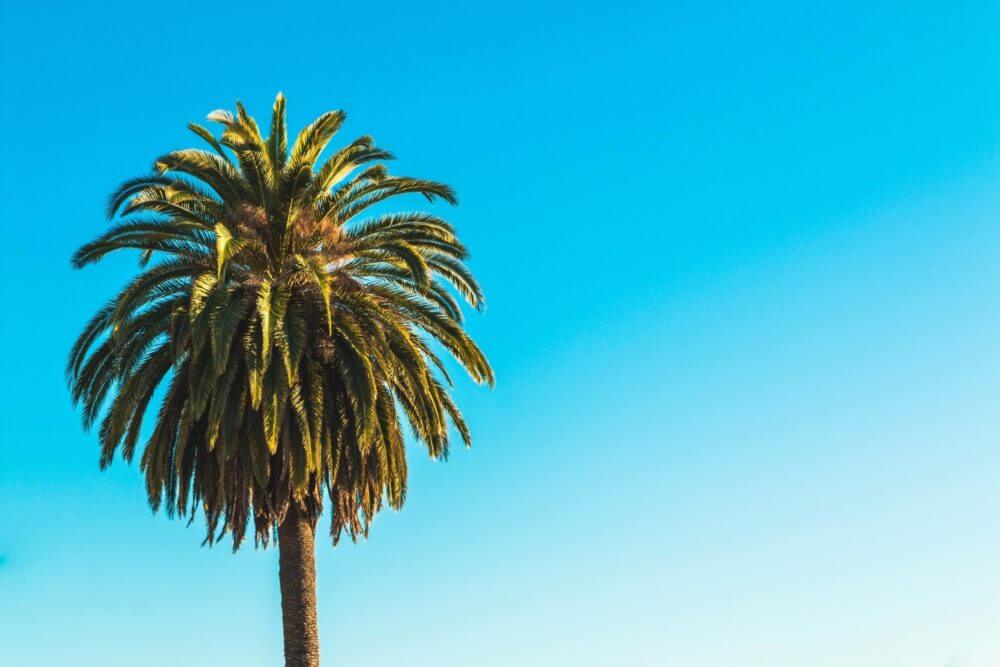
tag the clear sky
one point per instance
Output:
(741, 264)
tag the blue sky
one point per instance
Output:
(741, 264)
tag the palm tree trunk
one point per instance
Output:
(297, 573)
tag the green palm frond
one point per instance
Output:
(284, 336)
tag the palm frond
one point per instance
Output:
(281, 337)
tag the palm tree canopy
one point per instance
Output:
(284, 327)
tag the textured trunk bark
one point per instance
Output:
(297, 573)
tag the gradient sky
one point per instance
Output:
(741, 265)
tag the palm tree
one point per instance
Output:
(286, 324)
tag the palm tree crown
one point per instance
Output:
(284, 327)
